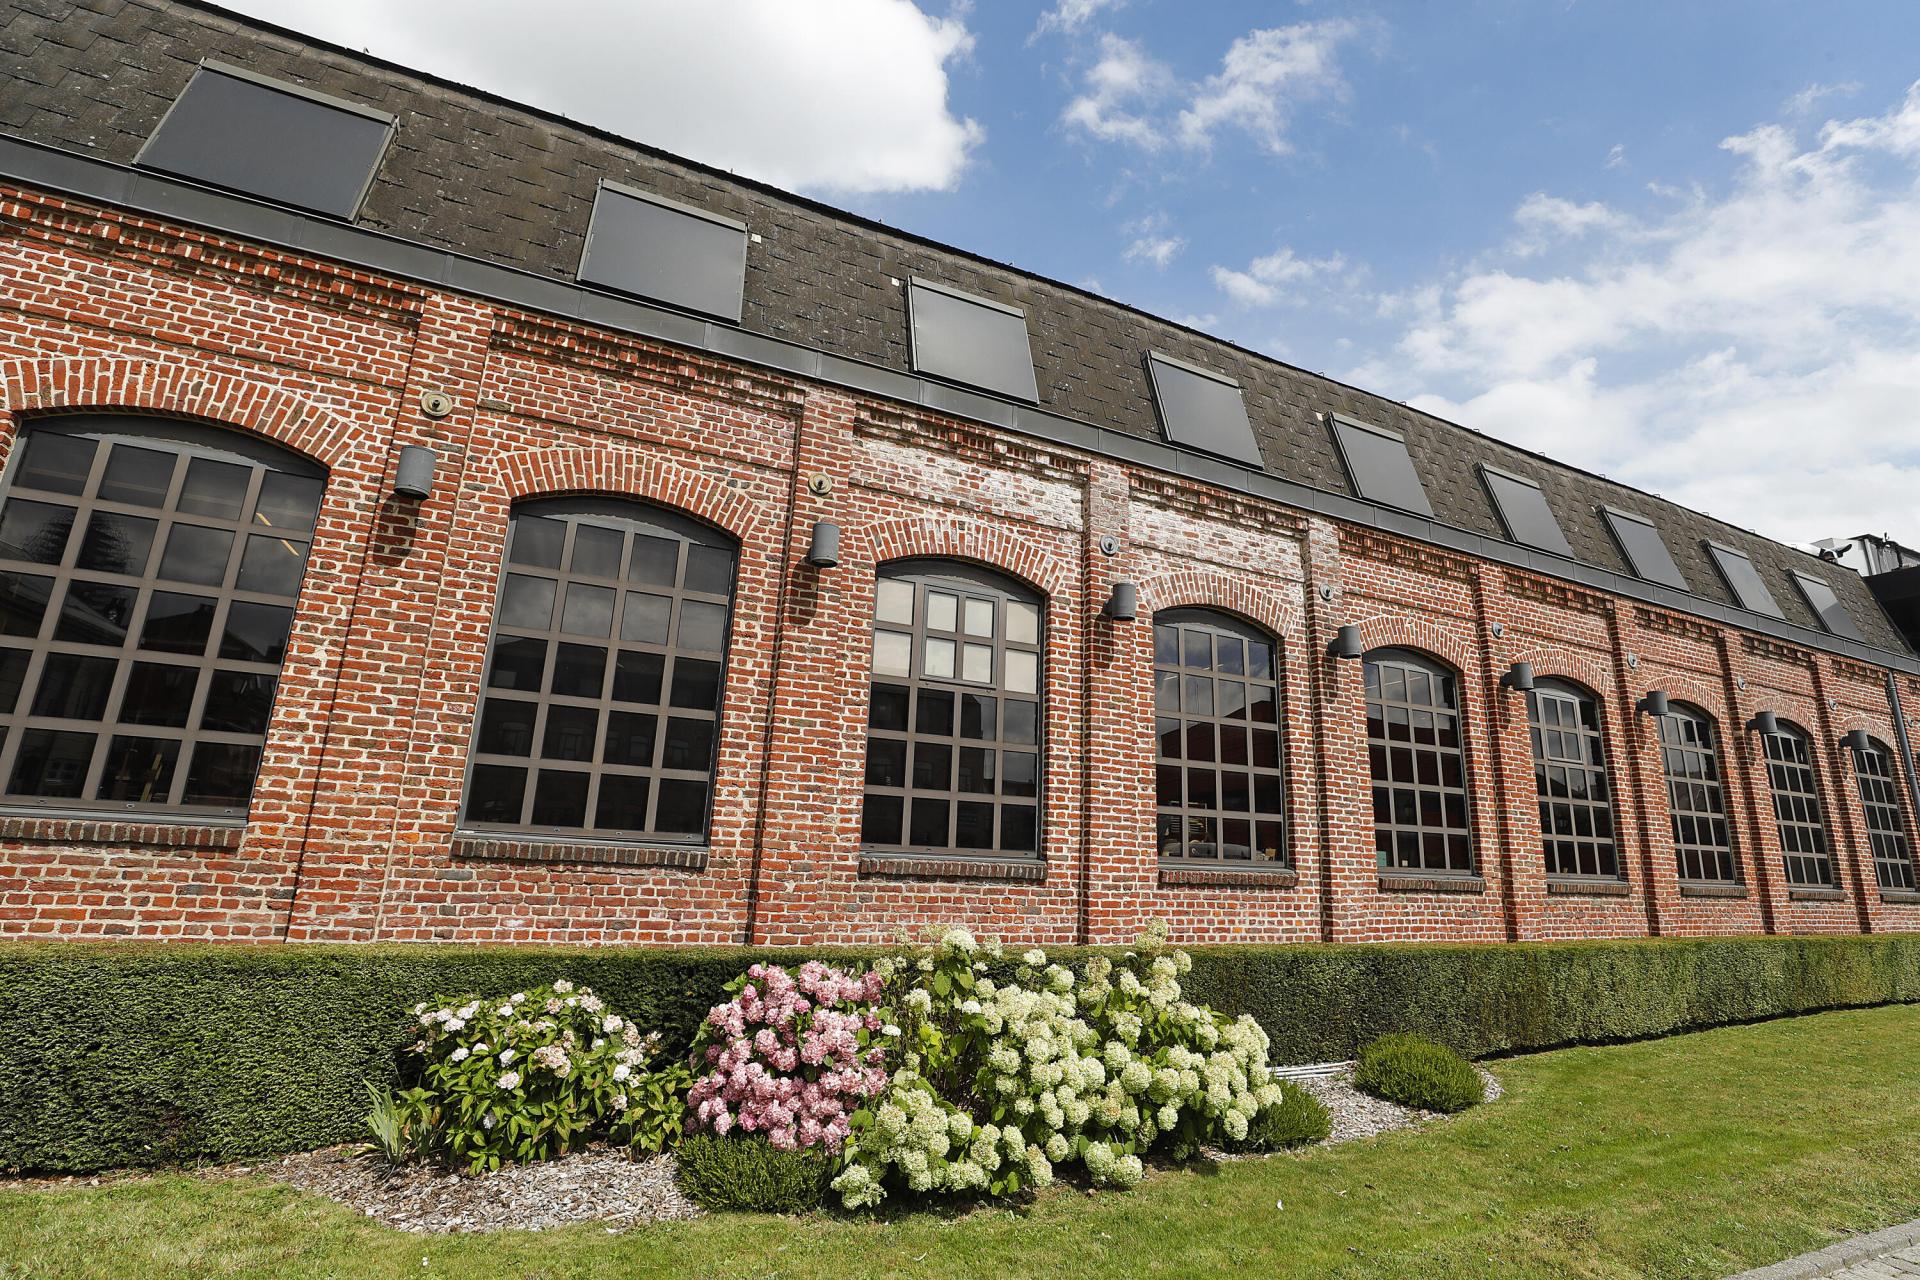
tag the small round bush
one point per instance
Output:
(751, 1174)
(1296, 1120)
(1416, 1072)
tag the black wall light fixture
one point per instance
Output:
(1123, 603)
(1519, 678)
(1654, 704)
(413, 476)
(1764, 722)
(823, 547)
(1346, 643)
(1857, 741)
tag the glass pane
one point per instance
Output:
(892, 654)
(937, 659)
(703, 626)
(977, 663)
(518, 663)
(636, 677)
(51, 763)
(198, 555)
(138, 477)
(256, 632)
(630, 738)
(1019, 773)
(689, 745)
(880, 818)
(214, 488)
(579, 671)
(979, 617)
(656, 561)
(942, 611)
(117, 544)
(55, 463)
(933, 713)
(893, 602)
(13, 672)
(886, 762)
(94, 613)
(644, 620)
(272, 566)
(158, 694)
(696, 685)
(73, 687)
(622, 805)
(1023, 622)
(978, 715)
(34, 531)
(977, 772)
(588, 611)
(496, 793)
(570, 733)
(221, 774)
(929, 822)
(709, 570)
(238, 702)
(560, 799)
(287, 503)
(932, 766)
(177, 623)
(973, 826)
(526, 604)
(506, 727)
(138, 770)
(888, 708)
(1019, 828)
(23, 603)
(683, 807)
(1022, 672)
(1019, 721)
(596, 551)
(537, 541)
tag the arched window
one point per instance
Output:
(1796, 807)
(953, 727)
(1696, 800)
(1216, 705)
(1880, 800)
(148, 571)
(1570, 770)
(1415, 754)
(602, 703)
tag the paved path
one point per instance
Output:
(1893, 1254)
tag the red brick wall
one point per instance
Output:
(352, 834)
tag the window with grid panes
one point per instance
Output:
(1418, 763)
(953, 728)
(1696, 800)
(148, 571)
(1796, 807)
(1880, 801)
(1216, 719)
(1570, 771)
(601, 710)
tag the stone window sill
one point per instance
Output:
(1816, 895)
(152, 833)
(506, 848)
(1432, 884)
(1712, 890)
(1906, 897)
(908, 866)
(1229, 877)
(1590, 888)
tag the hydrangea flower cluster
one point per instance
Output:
(791, 1056)
(529, 1075)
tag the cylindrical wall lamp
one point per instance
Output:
(413, 478)
(1764, 722)
(1654, 704)
(1346, 643)
(823, 548)
(1857, 741)
(1519, 678)
(1123, 603)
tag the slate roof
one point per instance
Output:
(475, 174)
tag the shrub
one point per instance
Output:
(1296, 1119)
(1415, 1072)
(751, 1174)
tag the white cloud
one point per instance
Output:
(1753, 351)
(1809, 98)
(835, 95)
(1118, 94)
(1265, 280)
(1158, 250)
(1617, 156)
(1069, 16)
(1263, 75)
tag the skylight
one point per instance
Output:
(970, 340)
(1379, 465)
(1826, 604)
(647, 245)
(1644, 550)
(1202, 409)
(1744, 579)
(1524, 511)
(261, 137)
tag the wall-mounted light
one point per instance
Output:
(823, 548)
(1519, 678)
(1654, 704)
(1764, 722)
(1346, 643)
(1856, 741)
(1123, 602)
(413, 477)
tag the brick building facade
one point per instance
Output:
(765, 793)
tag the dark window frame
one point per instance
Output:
(1163, 375)
(925, 694)
(214, 66)
(1724, 558)
(1395, 767)
(1026, 384)
(1563, 846)
(633, 519)
(1188, 728)
(148, 654)
(1616, 519)
(1799, 814)
(583, 272)
(1341, 425)
(1808, 585)
(1690, 735)
(1884, 815)
(1557, 545)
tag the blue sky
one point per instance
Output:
(1678, 243)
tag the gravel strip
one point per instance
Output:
(1361, 1115)
(593, 1186)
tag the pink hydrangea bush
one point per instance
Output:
(791, 1057)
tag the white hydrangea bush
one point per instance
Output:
(1000, 1081)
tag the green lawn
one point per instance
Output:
(1692, 1156)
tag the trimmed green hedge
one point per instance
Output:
(150, 1054)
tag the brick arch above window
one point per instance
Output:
(1594, 675)
(1258, 606)
(29, 388)
(989, 546)
(1445, 645)
(517, 475)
